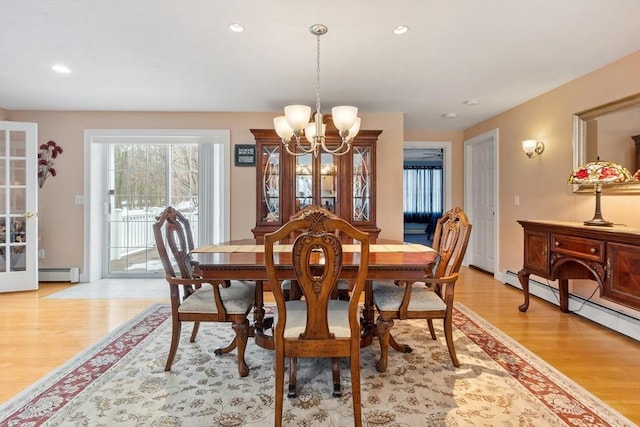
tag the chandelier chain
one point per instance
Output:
(295, 124)
(318, 73)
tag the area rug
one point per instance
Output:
(121, 382)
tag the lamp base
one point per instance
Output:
(599, 222)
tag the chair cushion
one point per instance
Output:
(388, 297)
(237, 299)
(297, 318)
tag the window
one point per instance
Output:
(423, 198)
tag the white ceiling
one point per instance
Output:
(179, 55)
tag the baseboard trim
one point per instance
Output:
(481, 270)
(615, 320)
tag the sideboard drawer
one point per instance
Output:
(579, 247)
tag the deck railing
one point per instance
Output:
(131, 231)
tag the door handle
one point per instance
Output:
(29, 215)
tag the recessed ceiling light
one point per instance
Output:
(400, 29)
(61, 68)
(449, 115)
(472, 101)
(236, 28)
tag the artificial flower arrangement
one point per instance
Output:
(48, 152)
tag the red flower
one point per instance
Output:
(48, 152)
(582, 174)
(607, 172)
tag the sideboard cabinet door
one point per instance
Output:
(623, 281)
(536, 252)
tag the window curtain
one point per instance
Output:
(423, 196)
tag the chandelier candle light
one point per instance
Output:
(598, 173)
(296, 120)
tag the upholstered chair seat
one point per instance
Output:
(237, 299)
(388, 296)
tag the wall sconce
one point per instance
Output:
(532, 147)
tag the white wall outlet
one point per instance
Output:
(41, 254)
(79, 199)
(516, 200)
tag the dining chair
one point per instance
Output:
(290, 287)
(196, 300)
(432, 297)
(316, 326)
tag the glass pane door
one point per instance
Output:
(144, 179)
(270, 209)
(328, 182)
(18, 207)
(304, 182)
(361, 184)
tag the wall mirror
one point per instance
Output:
(611, 132)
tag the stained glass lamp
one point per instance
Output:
(596, 174)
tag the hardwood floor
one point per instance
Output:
(38, 334)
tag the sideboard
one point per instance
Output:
(560, 250)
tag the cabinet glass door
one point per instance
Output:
(270, 209)
(361, 184)
(328, 182)
(304, 182)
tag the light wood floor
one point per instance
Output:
(37, 335)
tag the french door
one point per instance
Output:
(18, 207)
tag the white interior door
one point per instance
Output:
(480, 185)
(18, 207)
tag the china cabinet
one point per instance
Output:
(345, 185)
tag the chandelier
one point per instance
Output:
(296, 120)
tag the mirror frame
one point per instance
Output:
(580, 136)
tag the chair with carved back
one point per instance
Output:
(290, 288)
(194, 299)
(432, 297)
(317, 325)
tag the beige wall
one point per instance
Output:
(61, 220)
(541, 182)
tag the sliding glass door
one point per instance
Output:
(143, 180)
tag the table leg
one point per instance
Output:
(258, 311)
(368, 316)
(523, 276)
(261, 325)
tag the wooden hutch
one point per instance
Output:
(345, 185)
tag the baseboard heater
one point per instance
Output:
(59, 274)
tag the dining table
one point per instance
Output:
(245, 260)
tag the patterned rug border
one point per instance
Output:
(155, 313)
(569, 401)
(520, 356)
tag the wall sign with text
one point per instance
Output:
(245, 155)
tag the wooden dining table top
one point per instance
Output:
(244, 259)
